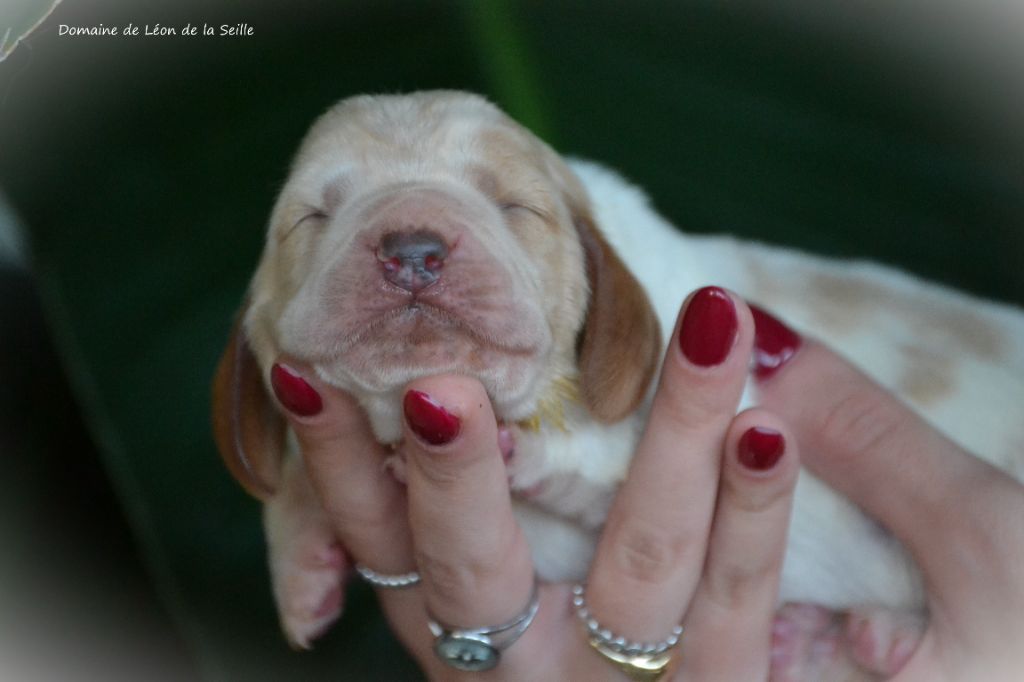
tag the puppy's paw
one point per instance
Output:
(308, 567)
(808, 645)
(881, 640)
(396, 465)
(506, 441)
(309, 577)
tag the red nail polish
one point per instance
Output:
(760, 449)
(774, 344)
(708, 329)
(294, 392)
(428, 420)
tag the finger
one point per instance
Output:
(866, 444)
(727, 629)
(651, 552)
(345, 464)
(472, 556)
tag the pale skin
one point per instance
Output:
(694, 537)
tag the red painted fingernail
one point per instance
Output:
(774, 344)
(760, 449)
(428, 420)
(294, 392)
(709, 326)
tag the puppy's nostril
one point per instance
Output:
(412, 260)
(433, 263)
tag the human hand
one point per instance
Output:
(961, 519)
(695, 536)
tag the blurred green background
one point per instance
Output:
(142, 170)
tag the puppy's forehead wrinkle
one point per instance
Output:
(440, 193)
(380, 132)
(379, 143)
(418, 113)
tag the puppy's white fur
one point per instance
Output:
(453, 162)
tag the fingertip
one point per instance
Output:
(699, 384)
(439, 410)
(760, 446)
(293, 390)
(428, 419)
(450, 436)
(713, 326)
(775, 344)
(316, 411)
(301, 392)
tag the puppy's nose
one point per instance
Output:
(412, 260)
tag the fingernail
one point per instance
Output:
(774, 344)
(709, 326)
(760, 449)
(428, 420)
(294, 392)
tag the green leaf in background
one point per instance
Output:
(496, 31)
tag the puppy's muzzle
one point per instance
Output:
(412, 260)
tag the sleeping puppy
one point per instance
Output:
(429, 233)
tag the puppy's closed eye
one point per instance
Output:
(315, 218)
(300, 217)
(508, 199)
(518, 208)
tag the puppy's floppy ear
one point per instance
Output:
(248, 430)
(620, 343)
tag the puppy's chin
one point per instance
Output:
(410, 345)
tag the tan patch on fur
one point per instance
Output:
(844, 302)
(517, 168)
(968, 331)
(927, 376)
(518, 171)
(841, 302)
(486, 181)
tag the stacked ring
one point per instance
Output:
(641, 661)
(391, 582)
(479, 649)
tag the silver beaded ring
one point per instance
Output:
(391, 582)
(606, 637)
